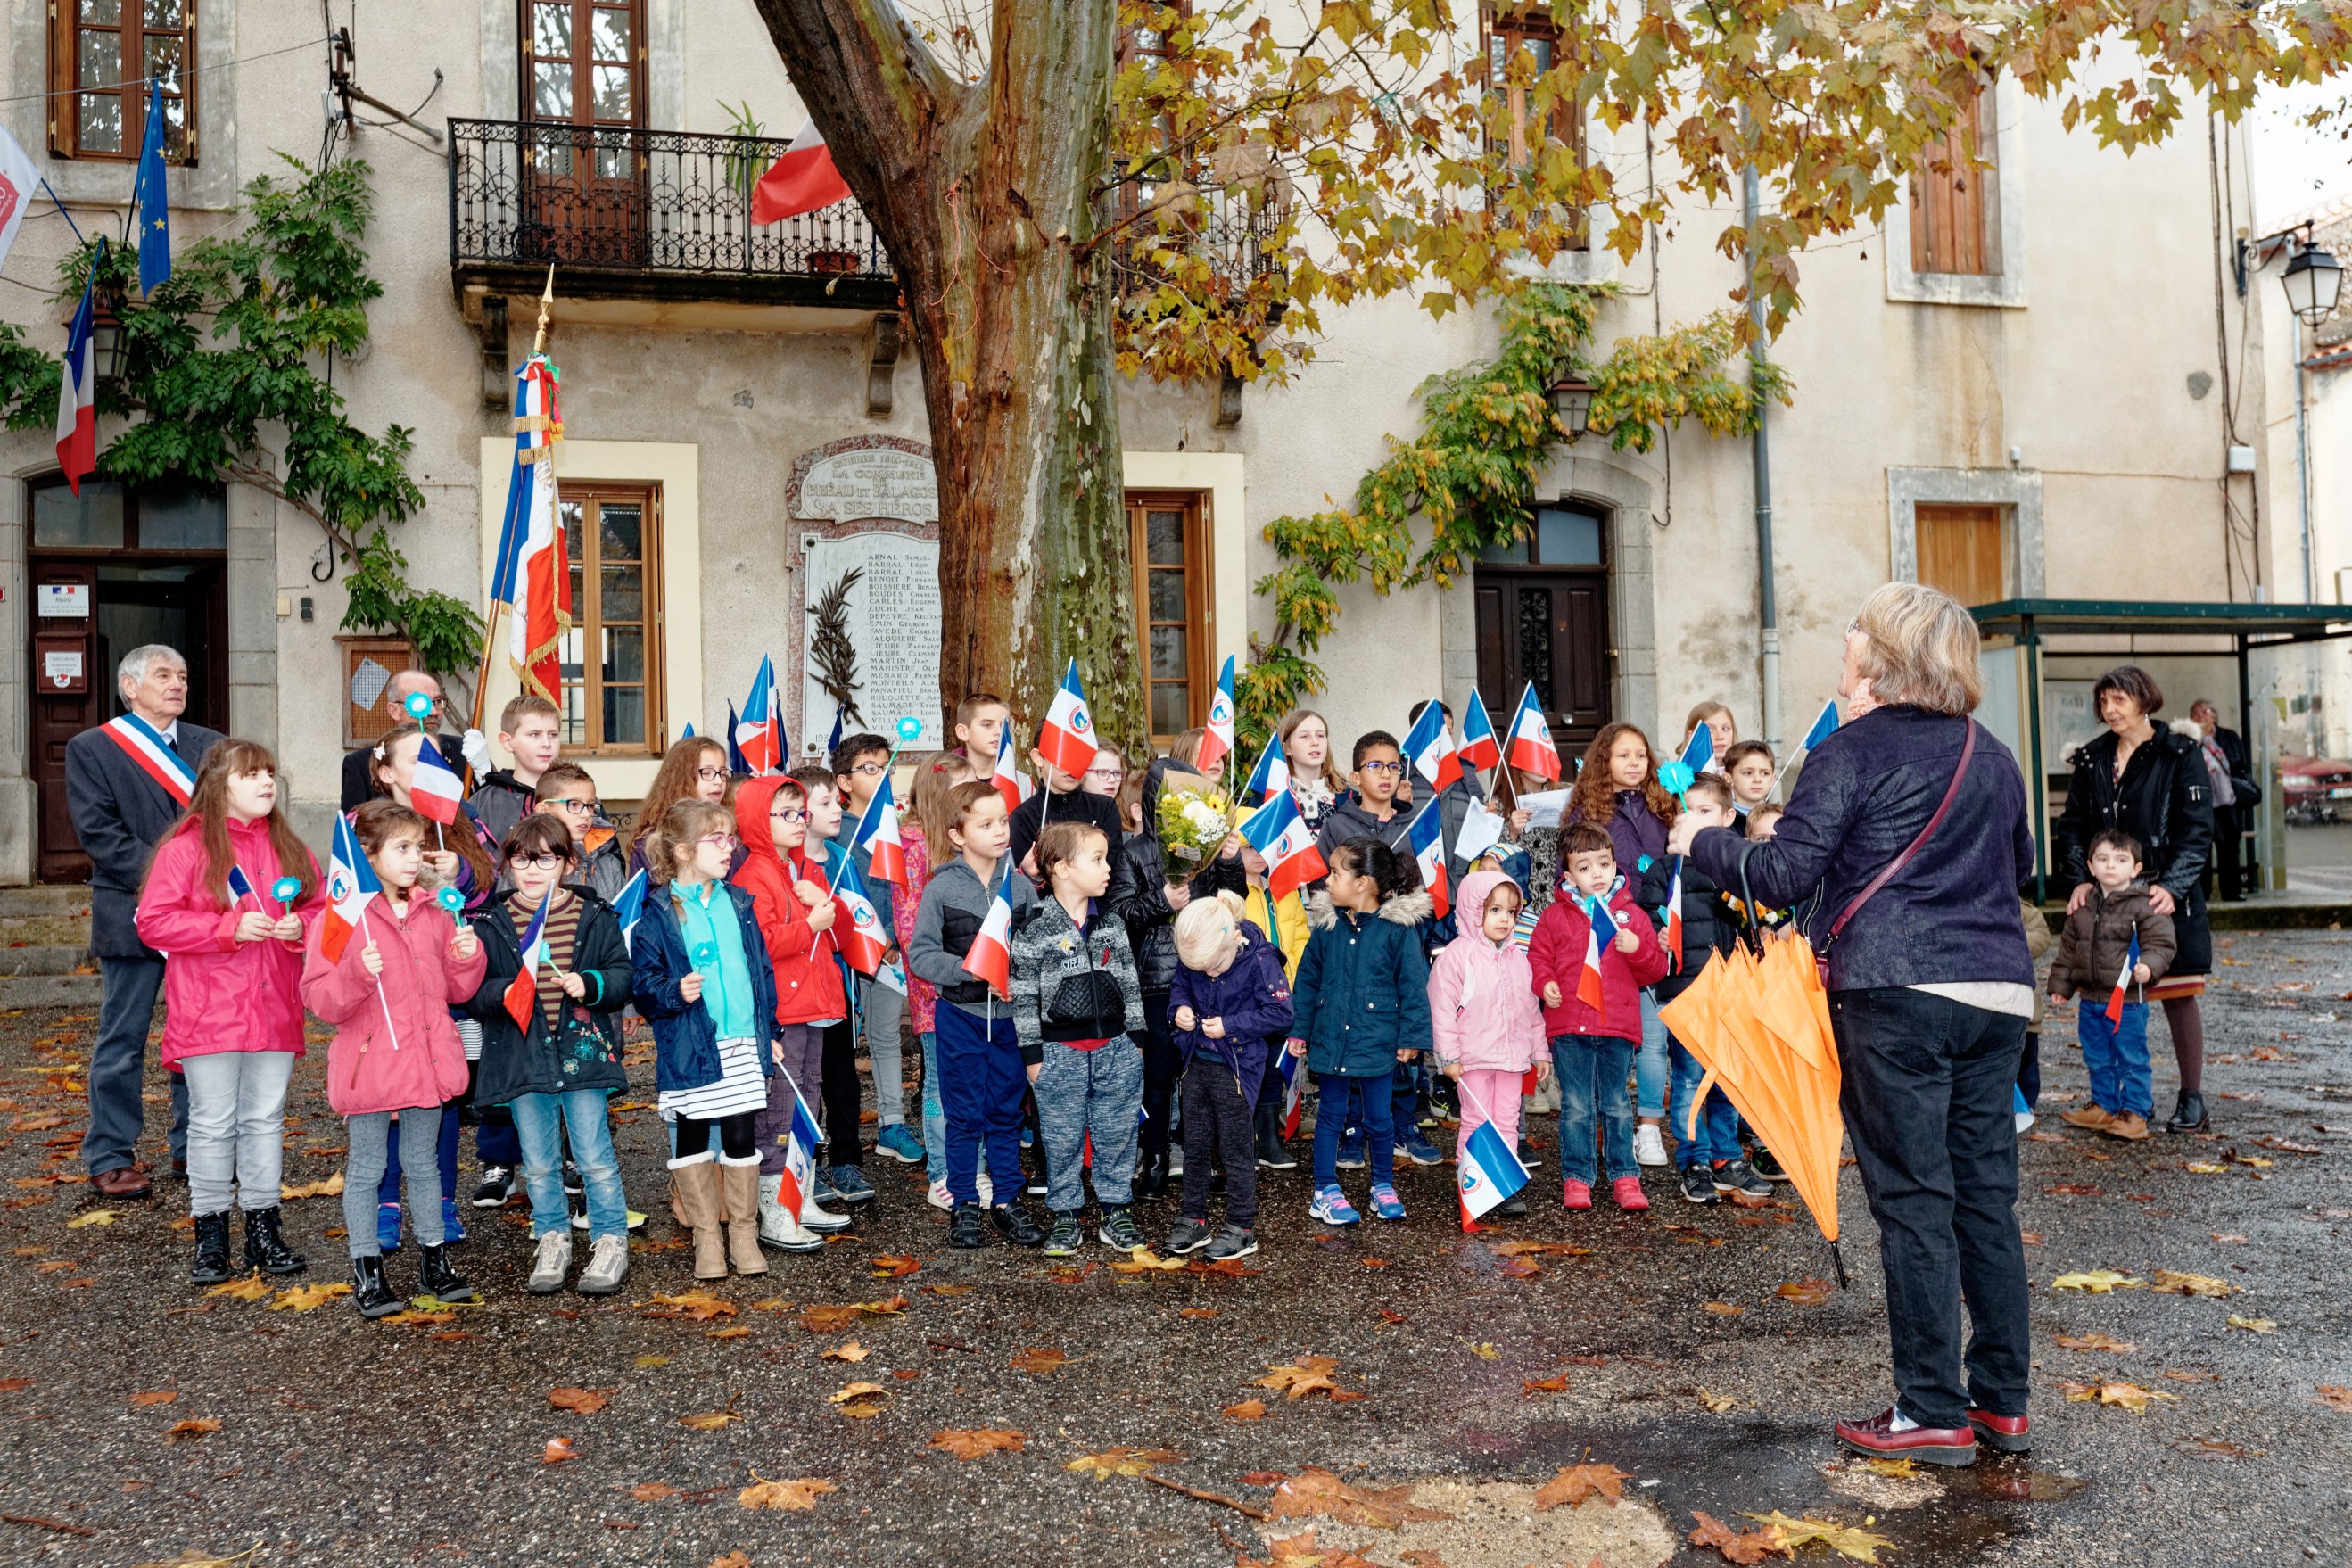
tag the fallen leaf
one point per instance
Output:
(36, 1123)
(558, 1449)
(1308, 1374)
(2229, 1237)
(1897, 1469)
(1520, 1268)
(95, 1216)
(1576, 1482)
(418, 1317)
(192, 1428)
(156, 1396)
(1717, 1403)
(331, 1187)
(1804, 1292)
(654, 1491)
(252, 1288)
(2206, 1167)
(895, 1267)
(972, 1442)
(1196, 1311)
(1318, 1493)
(1535, 1248)
(2076, 1190)
(2172, 1282)
(772, 1304)
(737, 1332)
(827, 1320)
(1146, 1262)
(708, 1420)
(731, 1560)
(948, 1289)
(2130, 1396)
(2096, 1341)
(1122, 1461)
(1231, 1268)
(1300, 1550)
(693, 1307)
(1737, 1546)
(585, 1400)
(305, 1298)
(1373, 1262)
(2178, 1376)
(859, 1400)
(1040, 1359)
(1486, 1350)
(2336, 1398)
(2209, 1448)
(2098, 1282)
(1069, 1273)
(1723, 1309)
(1262, 1478)
(890, 1306)
(645, 1363)
(1531, 1387)
(1247, 1410)
(795, 1497)
(1844, 1539)
(2031, 1238)
(850, 1351)
(2253, 1325)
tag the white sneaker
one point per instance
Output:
(777, 1228)
(940, 1198)
(550, 1264)
(1649, 1148)
(608, 1265)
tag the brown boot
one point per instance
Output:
(699, 1200)
(740, 1184)
(2090, 1118)
(2128, 1124)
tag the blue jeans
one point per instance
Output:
(1650, 1064)
(1333, 1093)
(540, 1123)
(981, 1088)
(1717, 1136)
(2115, 1056)
(935, 1121)
(118, 1065)
(1404, 1096)
(1591, 1071)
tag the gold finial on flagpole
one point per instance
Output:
(546, 308)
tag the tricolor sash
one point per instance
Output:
(143, 744)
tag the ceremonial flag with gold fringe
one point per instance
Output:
(533, 576)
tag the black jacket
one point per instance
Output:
(1078, 805)
(1141, 898)
(119, 815)
(1706, 930)
(588, 1056)
(2165, 800)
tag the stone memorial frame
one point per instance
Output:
(860, 485)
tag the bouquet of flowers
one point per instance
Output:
(1195, 819)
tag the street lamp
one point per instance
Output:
(2312, 280)
(108, 341)
(1571, 400)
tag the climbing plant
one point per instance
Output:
(228, 378)
(1470, 474)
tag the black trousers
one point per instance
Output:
(2230, 825)
(1161, 1062)
(1926, 1097)
(1217, 1121)
(843, 1096)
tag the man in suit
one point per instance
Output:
(127, 782)
(2234, 822)
(356, 789)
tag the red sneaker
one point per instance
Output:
(2010, 1433)
(1575, 1194)
(1627, 1191)
(1953, 1445)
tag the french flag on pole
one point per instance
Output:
(1674, 918)
(533, 572)
(630, 905)
(877, 833)
(991, 958)
(1603, 931)
(1699, 750)
(1431, 748)
(1066, 738)
(522, 992)
(802, 180)
(78, 392)
(735, 763)
(1278, 832)
(1479, 748)
(1529, 747)
(2124, 980)
(1218, 743)
(1007, 778)
(1488, 1172)
(858, 929)
(1294, 1085)
(350, 883)
(759, 732)
(1271, 777)
(433, 789)
(1427, 836)
(1825, 724)
(800, 1155)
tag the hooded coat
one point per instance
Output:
(1362, 991)
(220, 993)
(395, 1046)
(1556, 954)
(808, 981)
(1483, 1011)
(1253, 999)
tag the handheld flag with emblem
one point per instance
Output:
(800, 1155)
(77, 425)
(1427, 836)
(1067, 739)
(629, 905)
(155, 202)
(153, 756)
(857, 928)
(1430, 748)
(241, 887)
(1528, 747)
(2124, 980)
(1271, 777)
(877, 834)
(1488, 1172)
(735, 763)
(1277, 831)
(522, 992)
(350, 883)
(1674, 918)
(433, 790)
(1699, 750)
(1217, 744)
(1479, 749)
(1602, 933)
(759, 732)
(1006, 777)
(991, 958)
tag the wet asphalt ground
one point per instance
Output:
(340, 1441)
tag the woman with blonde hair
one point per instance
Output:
(1907, 834)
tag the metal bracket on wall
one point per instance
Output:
(492, 331)
(882, 363)
(1229, 401)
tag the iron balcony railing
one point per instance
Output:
(1233, 226)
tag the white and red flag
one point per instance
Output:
(802, 180)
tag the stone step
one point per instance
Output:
(50, 991)
(53, 902)
(45, 930)
(38, 959)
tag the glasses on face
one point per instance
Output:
(710, 775)
(726, 841)
(1395, 769)
(870, 770)
(788, 814)
(579, 807)
(1108, 775)
(535, 862)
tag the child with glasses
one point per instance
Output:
(566, 792)
(692, 769)
(1106, 772)
(860, 766)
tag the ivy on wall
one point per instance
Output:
(1487, 430)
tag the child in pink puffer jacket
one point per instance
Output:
(1483, 1011)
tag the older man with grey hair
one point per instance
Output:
(358, 787)
(127, 782)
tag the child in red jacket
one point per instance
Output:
(1593, 1047)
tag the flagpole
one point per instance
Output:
(382, 999)
(833, 877)
(498, 606)
(1783, 772)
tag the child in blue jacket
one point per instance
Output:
(1360, 1006)
(1229, 1003)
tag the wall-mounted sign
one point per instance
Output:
(60, 669)
(64, 599)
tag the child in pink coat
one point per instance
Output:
(395, 1049)
(1484, 1015)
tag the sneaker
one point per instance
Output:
(1420, 1150)
(1527, 1156)
(1879, 1439)
(898, 1142)
(1738, 1178)
(1189, 1235)
(573, 1187)
(1386, 1205)
(940, 1198)
(1761, 1160)
(1649, 1145)
(965, 1228)
(1119, 1231)
(1351, 1151)
(1575, 1194)
(387, 1227)
(1331, 1206)
(2128, 1124)
(1066, 1237)
(850, 1185)
(1014, 1225)
(497, 1186)
(1627, 1192)
(1233, 1241)
(452, 1233)
(608, 1265)
(550, 1264)
(1697, 1186)
(823, 1191)
(1175, 1160)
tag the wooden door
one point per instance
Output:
(1550, 629)
(1960, 550)
(1169, 542)
(583, 92)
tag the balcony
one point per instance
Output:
(647, 215)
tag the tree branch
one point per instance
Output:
(873, 86)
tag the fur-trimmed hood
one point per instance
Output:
(1399, 908)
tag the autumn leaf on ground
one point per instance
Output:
(737, 1332)
(180, 1430)
(95, 1216)
(1804, 1292)
(827, 1320)
(794, 1496)
(1520, 1268)
(859, 1400)
(1539, 1249)
(1717, 1403)
(417, 1318)
(2206, 1167)
(1484, 1349)
(2076, 1190)
(1533, 1387)
(1122, 1461)
(2096, 1341)
(890, 1306)
(2181, 1376)
(708, 1420)
(654, 1491)
(1737, 1546)
(693, 1307)
(1843, 1539)
(1318, 1493)
(304, 1297)
(2336, 1398)
(331, 1187)
(1300, 1550)
(1247, 1410)
(2098, 1282)
(851, 1351)
(972, 1442)
(2253, 1325)
(1231, 1268)
(1308, 1374)
(2173, 1282)
(586, 1401)
(1895, 1469)
(1146, 1262)
(1723, 1309)
(1196, 1311)
(558, 1449)
(948, 1289)
(2130, 1396)
(1040, 1359)
(731, 1560)
(1069, 1273)
(252, 1288)
(895, 1267)
(1576, 1482)
(156, 1396)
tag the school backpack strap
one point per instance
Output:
(1951, 792)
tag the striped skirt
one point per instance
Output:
(740, 1087)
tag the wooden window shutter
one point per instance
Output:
(1955, 198)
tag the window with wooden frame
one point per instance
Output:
(584, 62)
(1510, 31)
(1956, 197)
(105, 58)
(612, 656)
(1169, 537)
(1963, 550)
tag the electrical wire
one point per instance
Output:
(144, 80)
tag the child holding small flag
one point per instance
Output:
(824, 863)
(1487, 1027)
(925, 840)
(1618, 790)
(226, 900)
(385, 971)
(1722, 734)
(1230, 1006)
(556, 977)
(879, 853)
(2114, 946)
(1592, 952)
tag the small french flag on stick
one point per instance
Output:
(877, 834)
(1066, 738)
(1427, 836)
(1271, 777)
(433, 789)
(1674, 918)
(860, 934)
(350, 883)
(1530, 748)
(800, 1155)
(2122, 994)
(991, 958)
(1603, 931)
(1217, 744)
(1431, 748)
(1294, 1085)
(1278, 832)
(1007, 778)
(522, 992)
(1479, 748)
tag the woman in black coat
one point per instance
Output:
(2142, 779)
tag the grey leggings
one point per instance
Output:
(420, 1136)
(236, 1127)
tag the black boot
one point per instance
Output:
(2190, 1115)
(211, 1265)
(1151, 1181)
(1013, 1222)
(437, 1279)
(965, 1228)
(1271, 1155)
(369, 1293)
(264, 1248)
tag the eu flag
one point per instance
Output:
(154, 201)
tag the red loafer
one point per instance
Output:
(1953, 1445)
(2010, 1433)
